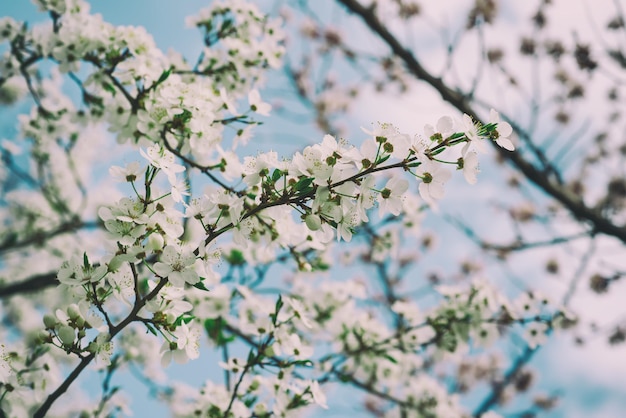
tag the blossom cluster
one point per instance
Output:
(156, 282)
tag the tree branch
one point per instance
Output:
(32, 284)
(569, 200)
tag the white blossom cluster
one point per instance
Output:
(152, 287)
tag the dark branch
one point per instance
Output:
(32, 284)
(569, 200)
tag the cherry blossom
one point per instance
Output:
(469, 165)
(185, 254)
(390, 198)
(503, 132)
(434, 178)
(177, 265)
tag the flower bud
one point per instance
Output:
(66, 335)
(80, 322)
(254, 386)
(269, 351)
(305, 267)
(313, 222)
(73, 312)
(49, 321)
(260, 409)
(44, 336)
(155, 242)
(115, 263)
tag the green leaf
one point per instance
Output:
(277, 174)
(307, 363)
(91, 99)
(201, 285)
(235, 258)
(383, 159)
(391, 359)
(164, 75)
(151, 329)
(184, 318)
(109, 87)
(250, 401)
(319, 265)
(85, 261)
(251, 357)
(226, 26)
(303, 184)
(215, 330)
(279, 305)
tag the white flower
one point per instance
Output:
(257, 105)
(527, 306)
(419, 146)
(161, 158)
(234, 365)
(126, 210)
(434, 176)
(75, 272)
(179, 189)
(445, 126)
(366, 198)
(470, 129)
(384, 130)
(257, 167)
(169, 302)
(401, 145)
(242, 230)
(504, 131)
(5, 365)
(318, 396)
(310, 163)
(409, 311)
(536, 334)
(485, 335)
(178, 267)
(129, 173)
(345, 228)
(126, 233)
(228, 101)
(187, 346)
(469, 164)
(390, 198)
(299, 311)
(102, 346)
(291, 345)
(215, 303)
(168, 220)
